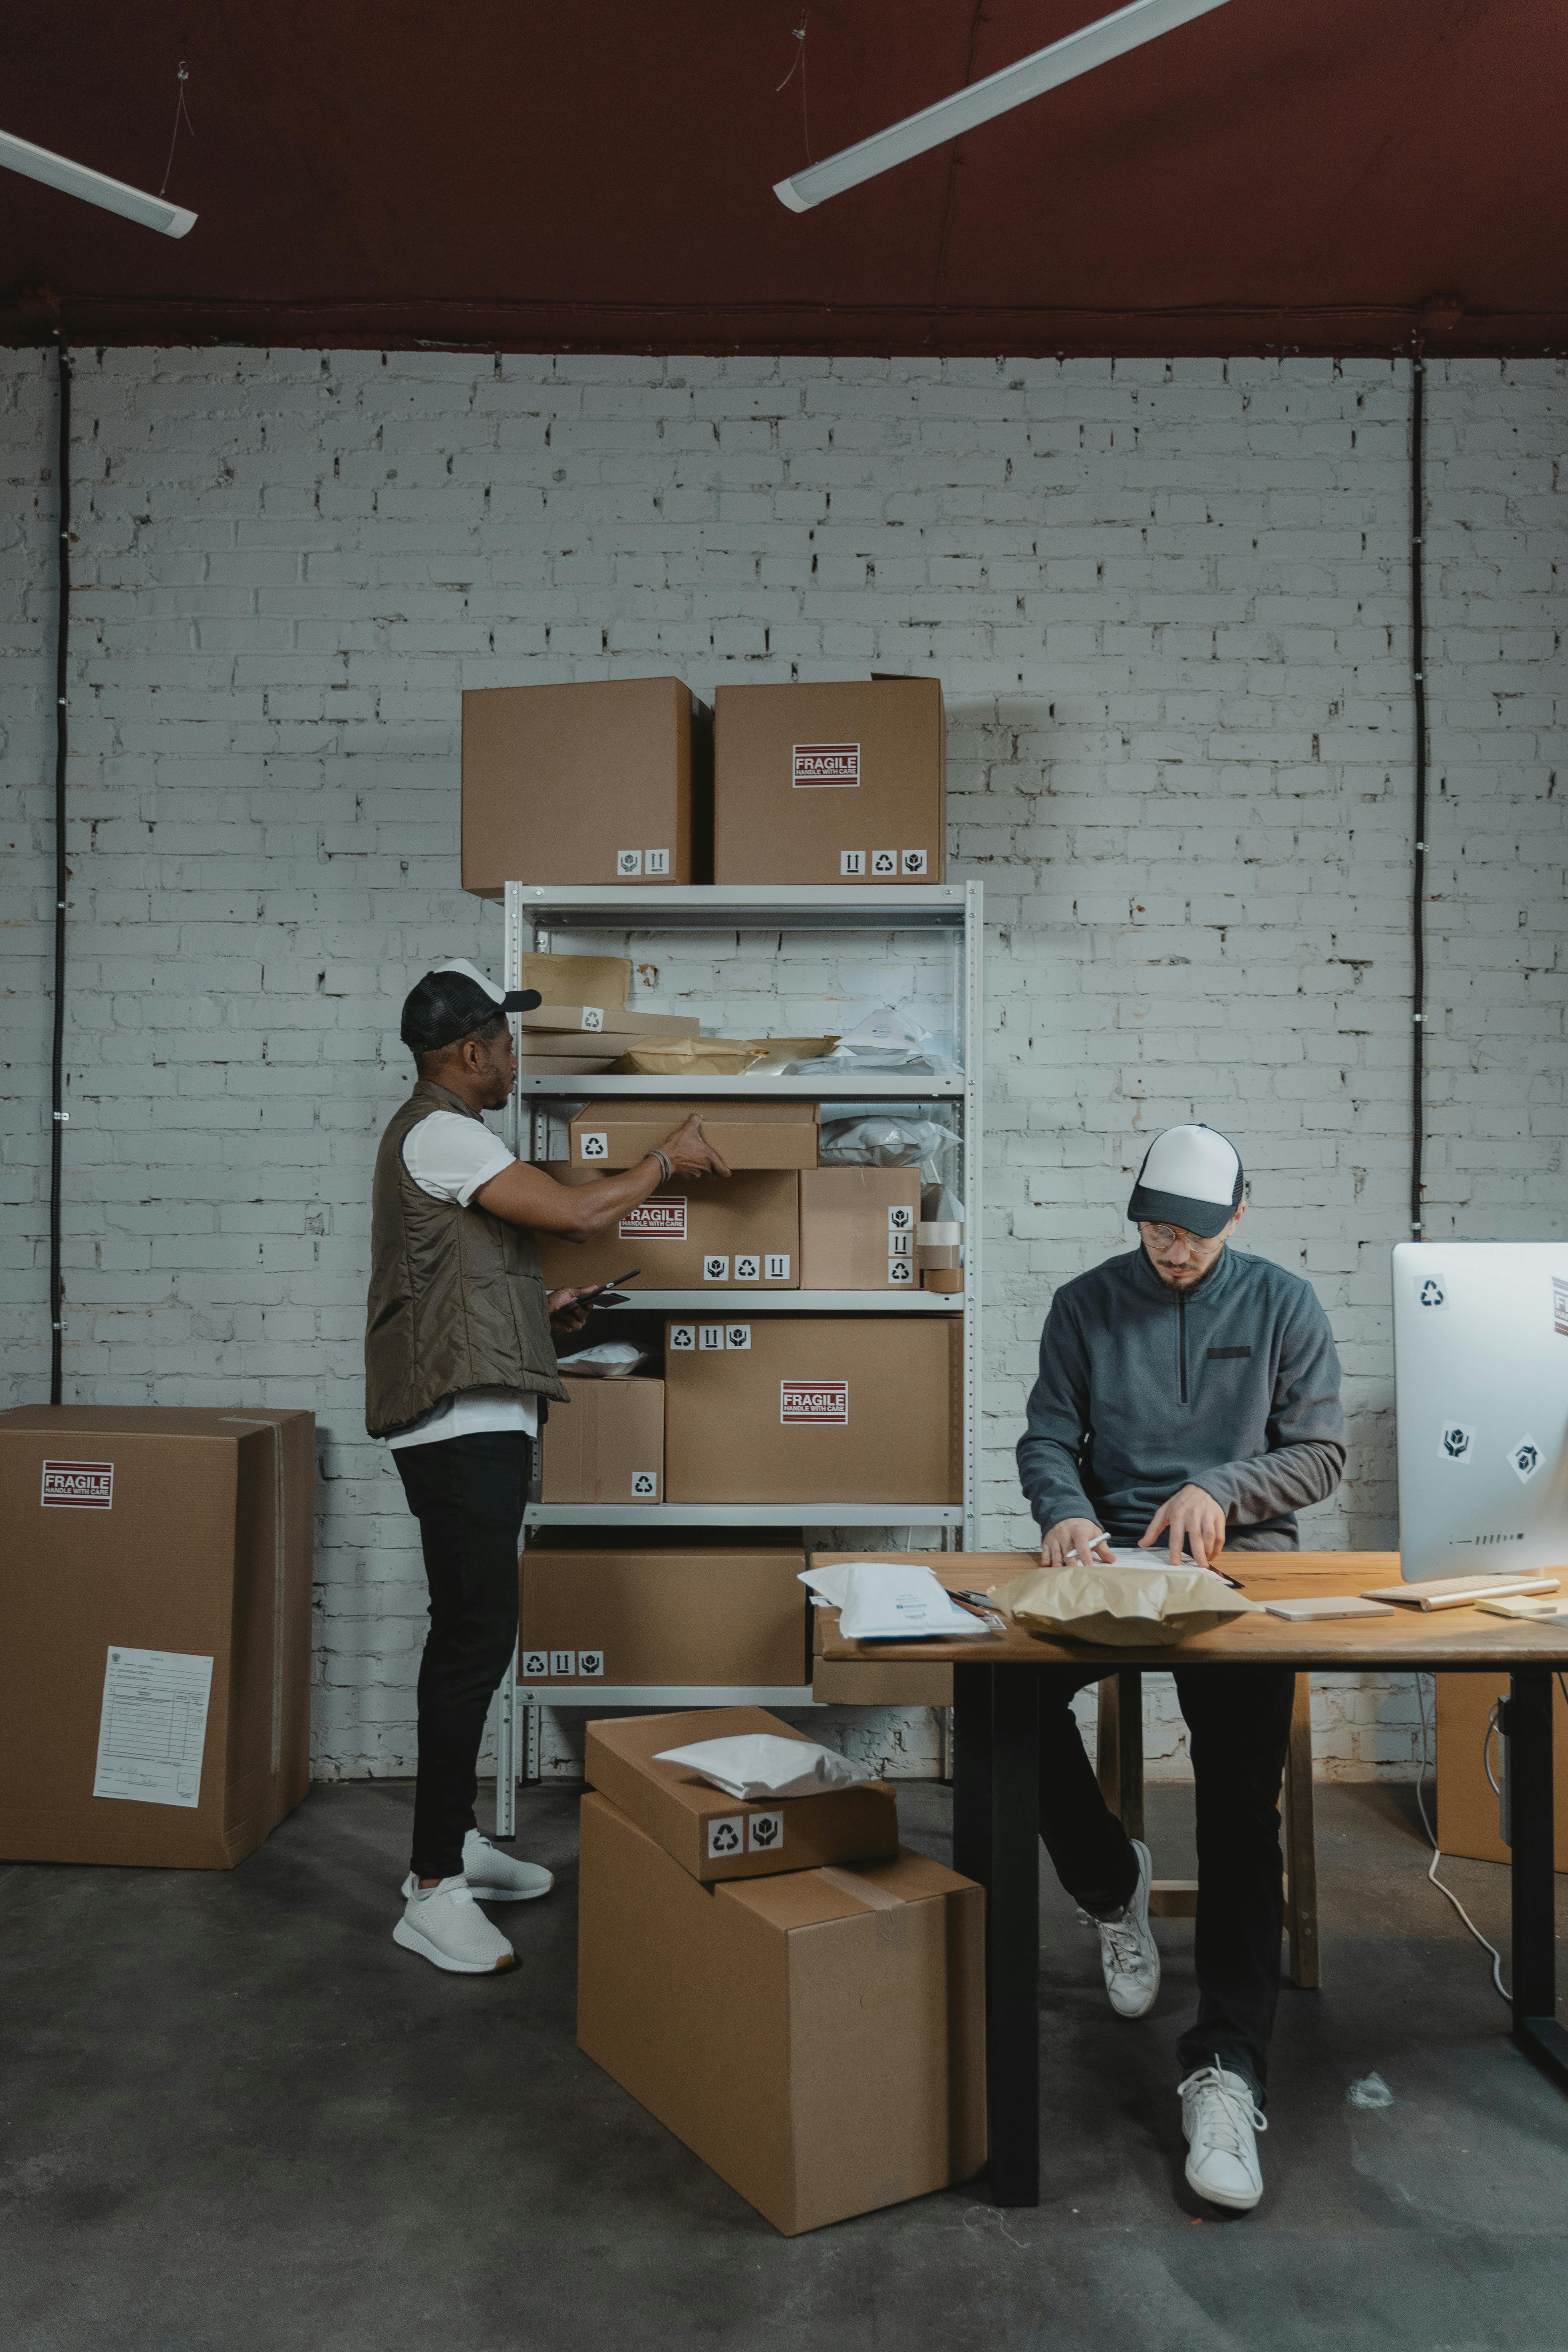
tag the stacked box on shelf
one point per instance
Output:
(676, 1616)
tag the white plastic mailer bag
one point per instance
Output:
(760, 1764)
(615, 1360)
(889, 1600)
(1121, 1607)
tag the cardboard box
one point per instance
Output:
(713, 1836)
(745, 1134)
(606, 1445)
(815, 1408)
(680, 1615)
(817, 2038)
(613, 1020)
(858, 1228)
(830, 783)
(604, 781)
(1467, 1822)
(564, 1065)
(874, 1682)
(145, 1549)
(578, 979)
(715, 1235)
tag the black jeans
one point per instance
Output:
(1239, 1722)
(468, 1494)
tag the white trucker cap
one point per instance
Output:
(1191, 1177)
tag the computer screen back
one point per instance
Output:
(1481, 1383)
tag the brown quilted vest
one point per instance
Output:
(457, 1299)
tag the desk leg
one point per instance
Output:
(1013, 1940)
(1534, 1955)
(972, 1772)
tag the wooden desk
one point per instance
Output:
(997, 1777)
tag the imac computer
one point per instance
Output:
(1481, 1385)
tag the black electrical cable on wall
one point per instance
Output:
(1418, 693)
(62, 646)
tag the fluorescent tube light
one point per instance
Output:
(950, 118)
(93, 188)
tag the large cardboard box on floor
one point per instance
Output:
(858, 1228)
(742, 1232)
(155, 1578)
(608, 781)
(713, 1836)
(814, 1408)
(606, 1444)
(817, 2037)
(1467, 1822)
(680, 1616)
(745, 1134)
(830, 783)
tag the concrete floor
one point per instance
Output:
(235, 2117)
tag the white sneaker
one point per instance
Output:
(445, 1924)
(1219, 2120)
(1129, 1956)
(498, 1877)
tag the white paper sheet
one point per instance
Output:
(153, 1726)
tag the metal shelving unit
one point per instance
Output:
(533, 916)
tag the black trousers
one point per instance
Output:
(1239, 1722)
(468, 1494)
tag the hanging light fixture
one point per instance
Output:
(93, 188)
(950, 118)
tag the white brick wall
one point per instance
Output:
(1168, 605)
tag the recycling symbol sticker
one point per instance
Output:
(724, 1836)
(1431, 1291)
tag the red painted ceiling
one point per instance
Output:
(1316, 174)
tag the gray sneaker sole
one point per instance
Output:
(413, 1942)
(508, 1894)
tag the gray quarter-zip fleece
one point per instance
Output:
(1233, 1386)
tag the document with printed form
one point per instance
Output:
(153, 1726)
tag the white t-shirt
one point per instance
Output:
(450, 1158)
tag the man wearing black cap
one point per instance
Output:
(1187, 1396)
(459, 1354)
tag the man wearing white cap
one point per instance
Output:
(459, 1358)
(1188, 1397)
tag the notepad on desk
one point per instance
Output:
(1328, 1604)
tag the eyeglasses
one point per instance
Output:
(1165, 1236)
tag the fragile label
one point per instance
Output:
(77, 1487)
(816, 764)
(660, 1218)
(816, 1401)
(153, 1727)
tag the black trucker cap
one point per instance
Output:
(452, 1000)
(1191, 1177)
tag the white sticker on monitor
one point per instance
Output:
(764, 1833)
(1432, 1290)
(153, 1727)
(1457, 1443)
(1525, 1459)
(1560, 1303)
(725, 1836)
(628, 861)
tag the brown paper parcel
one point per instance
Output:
(1121, 1608)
